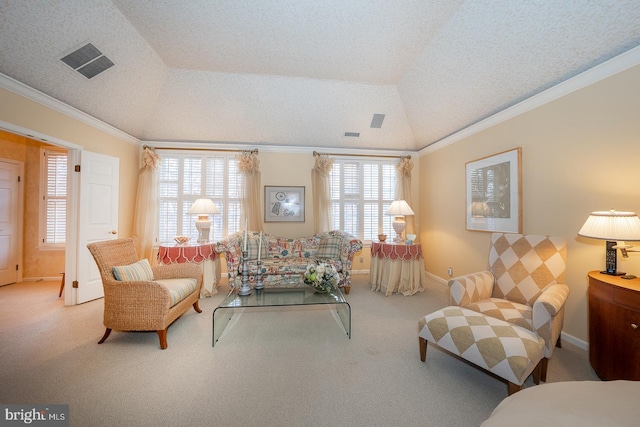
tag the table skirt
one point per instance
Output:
(404, 277)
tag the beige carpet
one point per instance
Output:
(271, 367)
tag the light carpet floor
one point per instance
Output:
(271, 367)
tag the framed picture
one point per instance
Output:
(283, 204)
(494, 193)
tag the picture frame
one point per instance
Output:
(494, 193)
(283, 204)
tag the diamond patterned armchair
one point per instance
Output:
(524, 286)
(138, 297)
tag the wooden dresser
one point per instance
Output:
(614, 326)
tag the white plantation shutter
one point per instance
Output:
(187, 177)
(361, 192)
(54, 198)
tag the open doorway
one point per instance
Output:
(38, 251)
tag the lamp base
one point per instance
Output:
(203, 225)
(399, 225)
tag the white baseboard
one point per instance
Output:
(575, 341)
(437, 278)
(359, 271)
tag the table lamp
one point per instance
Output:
(399, 209)
(203, 207)
(612, 226)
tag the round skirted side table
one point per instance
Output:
(202, 254)
(396, 267)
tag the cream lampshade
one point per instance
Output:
(616, 228)
(399, 209)
(203, 207)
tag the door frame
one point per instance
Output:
(73, 195)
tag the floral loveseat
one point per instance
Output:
(284, 260)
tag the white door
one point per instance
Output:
(9, 222)
(97, 217)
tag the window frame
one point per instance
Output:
(45, 197)
(228, 197)
(359, 196)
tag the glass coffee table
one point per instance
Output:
(279, 297)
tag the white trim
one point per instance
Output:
(436, 278)
(19, 130)
(575, 341)
(21, 89)
(228, 145)
(620, 63)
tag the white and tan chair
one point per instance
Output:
(507, 319)
(138, 297)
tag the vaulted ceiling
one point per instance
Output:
(304, 72)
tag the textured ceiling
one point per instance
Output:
(303, 72)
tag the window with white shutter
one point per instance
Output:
(361, 192)
(185, 177)
(53, 217)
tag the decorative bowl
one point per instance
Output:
(181, 240)
(382, 237)
(411, 237)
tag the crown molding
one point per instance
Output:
(34, 95)
(593, 75)
(267, 148)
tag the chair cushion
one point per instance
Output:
(179, 289)
(511, 312)
(138, 271)
(508, 351)
(525, 265)
(330, 247)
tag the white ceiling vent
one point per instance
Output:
(352, 134)
(377, 120)
(88, 61)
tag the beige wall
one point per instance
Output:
(579, 155)
(20, 111)
(294, 169)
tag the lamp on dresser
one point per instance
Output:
(399, 209)
(203, 207)
(616, 228)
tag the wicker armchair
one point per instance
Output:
(144, 305)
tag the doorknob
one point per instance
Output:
(113, 232)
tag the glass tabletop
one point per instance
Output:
(275, 297)
(281, 297)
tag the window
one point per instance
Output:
(187, 177)
(361, 192)
(53, 217)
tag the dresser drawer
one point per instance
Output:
(627, 298)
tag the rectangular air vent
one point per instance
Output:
(352, 134)
(377, 120)
(88, 61)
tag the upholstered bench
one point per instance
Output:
(506, 350)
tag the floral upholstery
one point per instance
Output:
(284, 260)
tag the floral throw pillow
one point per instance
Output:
(138, 271)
